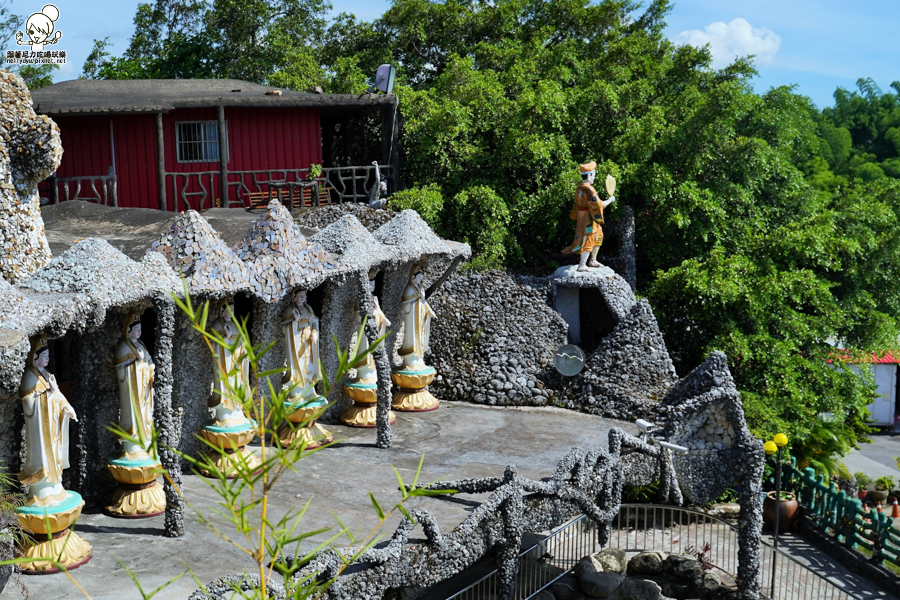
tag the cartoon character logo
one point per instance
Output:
(39, 28)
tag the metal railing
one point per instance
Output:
(200, 190)
(670, 529)
(676, 530)
(101, 188)
(543, 563)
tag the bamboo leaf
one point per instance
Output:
(378, 510)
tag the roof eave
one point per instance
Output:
(321, 101)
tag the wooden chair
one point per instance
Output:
(261, 199)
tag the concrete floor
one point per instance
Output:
(876, 459)
(132, 230)
(459, 440)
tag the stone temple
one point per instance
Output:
(492, 342)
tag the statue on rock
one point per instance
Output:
(588, 216)
(304, 371)
(139, 494)
(231, 430)
(30, 151)
(414, 376)
(47, 414)
(363, 389)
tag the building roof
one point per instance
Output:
(85, 96)
(883, 357)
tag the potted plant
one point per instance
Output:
(863, 482)
(883, 485)
(788, 511)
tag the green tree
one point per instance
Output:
(737, 251)
(37, 76)
(859, 135)
(9, 24)
(219, 39)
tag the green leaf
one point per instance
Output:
(378, 510)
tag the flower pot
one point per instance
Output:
(861, 494)
(880, 496)
(788, 511)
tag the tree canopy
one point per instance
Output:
(859, 137)
(765, 228)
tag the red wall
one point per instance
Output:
(135, 160)
(258, 139)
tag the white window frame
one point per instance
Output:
(205, 144)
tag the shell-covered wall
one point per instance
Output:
(81, 299)
(30, 150)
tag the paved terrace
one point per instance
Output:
(459, 440)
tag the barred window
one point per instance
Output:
(198, 141)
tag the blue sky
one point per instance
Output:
(816, 44)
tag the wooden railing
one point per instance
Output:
(354, 184)
(101, 188)
(202, 189)
(198, 190)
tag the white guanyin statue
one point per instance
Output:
(138, 494)
(417, 316)
(365, 370)
(135, 370)
(301, 336)
(225, 401)
(50, 509)
(47, 414)
(301, 339)
(231, 429)
(363, 389)
(413, 378)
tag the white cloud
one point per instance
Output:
(728, 41)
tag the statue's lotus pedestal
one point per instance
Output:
(413, 394)
(232, 439)
(365, 400)
(300, 412)
(49, 535)
(139, 494)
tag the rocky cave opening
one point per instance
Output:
(595, 319)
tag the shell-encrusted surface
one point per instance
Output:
(30, 150)
(96, 269)
(352, 241)
(411, 235)
(279, 258)
(195, 251)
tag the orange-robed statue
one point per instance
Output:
(588, 216)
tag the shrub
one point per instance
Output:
(426, 200)
(479, 217)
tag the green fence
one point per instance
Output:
(843, 516)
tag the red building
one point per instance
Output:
(174, 144)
